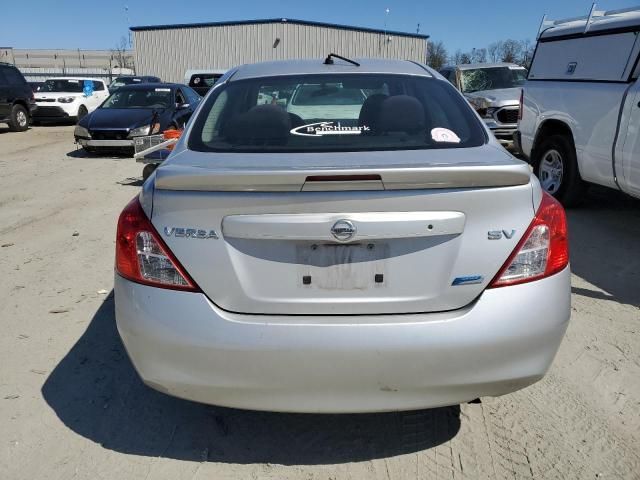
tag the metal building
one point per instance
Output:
(40, 64)
(168, 51)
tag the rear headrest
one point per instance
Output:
(401, 113)
(370, 110)
(262, 124)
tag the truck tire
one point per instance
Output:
(556, 166)
(19, 119)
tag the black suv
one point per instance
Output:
(17, 102)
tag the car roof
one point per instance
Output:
(475, 66)
(205, 71)
(78, 78)
(136, 76)
(317, 67)
(150, 86)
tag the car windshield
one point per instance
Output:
(66, 86)
(492, 78)
(139, 98)
(335, 113)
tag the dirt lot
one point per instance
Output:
(71, 405)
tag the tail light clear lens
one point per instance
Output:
(543, 250)
(142, 256)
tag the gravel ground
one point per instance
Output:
(71, 405)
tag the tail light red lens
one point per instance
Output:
(142, 256)
(543, 250)
(521, 108)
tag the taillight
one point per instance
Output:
(142, 256)
(543, 250)
(521, 108)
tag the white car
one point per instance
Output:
(581, 105)
(69, 98)
(389, 257)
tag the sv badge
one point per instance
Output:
(499, 234)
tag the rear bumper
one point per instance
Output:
(183, 345)
(51, 113)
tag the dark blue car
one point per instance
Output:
(134, 111)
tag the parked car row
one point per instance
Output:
(144, 99)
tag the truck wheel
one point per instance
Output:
(82, 111)
(148, 170)
(19, 119)
(556, 167)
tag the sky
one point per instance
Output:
(460, 24)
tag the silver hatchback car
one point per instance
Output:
(340, 236)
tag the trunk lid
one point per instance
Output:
(406, 237)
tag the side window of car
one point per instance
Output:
(180, 99)
(98, 86)
(13, 76)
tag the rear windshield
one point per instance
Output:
(492, 78)
(70, 86)
(335, 113)
(138, 98)
(205, 80)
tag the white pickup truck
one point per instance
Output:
(580, 119)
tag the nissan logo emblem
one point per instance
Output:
(343, 230)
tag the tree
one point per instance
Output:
(120, 56)
(479, 55)
(495, 50)
(510, 51)
(436, 55)
(527, 53)
(460, 57)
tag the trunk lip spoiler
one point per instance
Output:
(191, 178)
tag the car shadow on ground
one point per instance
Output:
(82, 153)
(604, 237)
(96, 392)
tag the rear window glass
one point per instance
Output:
(204, 80)
(67, 86)
(335, 113)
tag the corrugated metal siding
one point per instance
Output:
(169, 53)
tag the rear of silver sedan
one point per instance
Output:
(379, 253)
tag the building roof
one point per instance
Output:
(317, 66)
(276, 20)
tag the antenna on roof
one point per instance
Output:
(331, 56)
